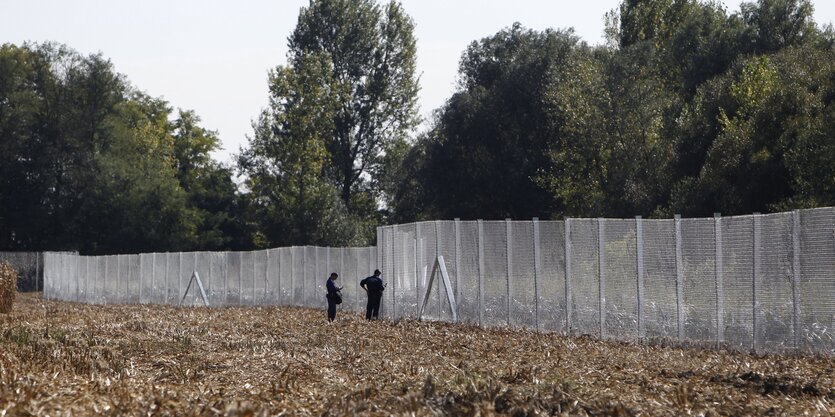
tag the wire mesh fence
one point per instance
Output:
(761, 282)
(758, 282)
(29, 267)
(282, 276)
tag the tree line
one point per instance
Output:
(687, 108)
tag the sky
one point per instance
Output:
(213, 56)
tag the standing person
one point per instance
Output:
(334, 296)
(374, 286)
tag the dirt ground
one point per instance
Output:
(60, 358)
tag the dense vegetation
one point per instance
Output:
(687, 108)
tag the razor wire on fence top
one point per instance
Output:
(761, 282)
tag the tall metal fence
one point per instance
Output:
(283, 276)
(29, 269)
(763, 282)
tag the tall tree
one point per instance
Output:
(493, 136)
(371, 50)
(87, 163)
(286, 160)
(209, 186)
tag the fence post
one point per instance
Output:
(254, 276)
(141, 278)
(417, 270)
(167, 277)
(372, 254)
(480, 272)
(437, 253)
(179, 275)
(796, 278)
(86, 280)
(393, 274)
(266, 276)
(279, 264)
(536, 270)
(104, 282)
(119, 276)
(293, 280)
(639, 250)
(304, 275)
(601, 275)
(341, 262)
(567, 237)
(679, 280)
(240, 278)
(508, 239)
(756, 276)
(720, 284)
(457, 267)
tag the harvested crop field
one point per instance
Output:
(59, 358)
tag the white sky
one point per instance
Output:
(212, 56)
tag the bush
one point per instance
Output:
(8, 287)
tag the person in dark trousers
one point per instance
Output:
(333, 296)
(374, 286)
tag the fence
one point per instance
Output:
(762, 282)
(284, 276)
(28, 267)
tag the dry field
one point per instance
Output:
(61, 358)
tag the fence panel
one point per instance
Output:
(203, 267)
(620, 270)
(552, 276)
(659, 309)
(495, 274)
(29, 267)
(285, 271)
(406, 293)
(445, 239)
(585, 279)
(133, 278)
(817, 280)
(522, 289)
(699, 269)
(297, 274)
(775, 306)
(738, 268)
(467, 276)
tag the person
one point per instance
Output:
(333, 296)
(374, 287)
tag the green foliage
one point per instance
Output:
(348, 93)
(372, 84)
(687, 109)
(87, 163)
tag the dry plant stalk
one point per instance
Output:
(8, 287)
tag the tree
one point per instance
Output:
(371, 51)
(285, 162)
(89, 164)
(776, 24)
(209, 186)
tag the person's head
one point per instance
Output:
(334, 275)
(377, 272)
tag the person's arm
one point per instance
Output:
(363, 283)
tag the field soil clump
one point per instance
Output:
(60, 358)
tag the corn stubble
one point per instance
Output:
(8, 287)
(61, 358)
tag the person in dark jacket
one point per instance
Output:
(332, 296)
(374, 287)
